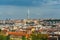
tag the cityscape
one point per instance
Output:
(29, 19)
(16, 29)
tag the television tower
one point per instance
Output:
(28, 14)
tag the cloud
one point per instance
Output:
(51, 2)
(17, 2)
(38, 9)
(20, 12)
(29, 2)
(21, 2)
(12, 12)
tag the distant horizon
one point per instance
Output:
(30, 19)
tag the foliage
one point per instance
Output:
(23, 38)
(4, 37)
(39, 36)
(0, 30)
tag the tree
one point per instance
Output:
(39, 36)
(23, 38)
(0, 30)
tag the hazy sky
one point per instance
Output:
(17, 9)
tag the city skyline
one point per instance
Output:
(18, 9)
